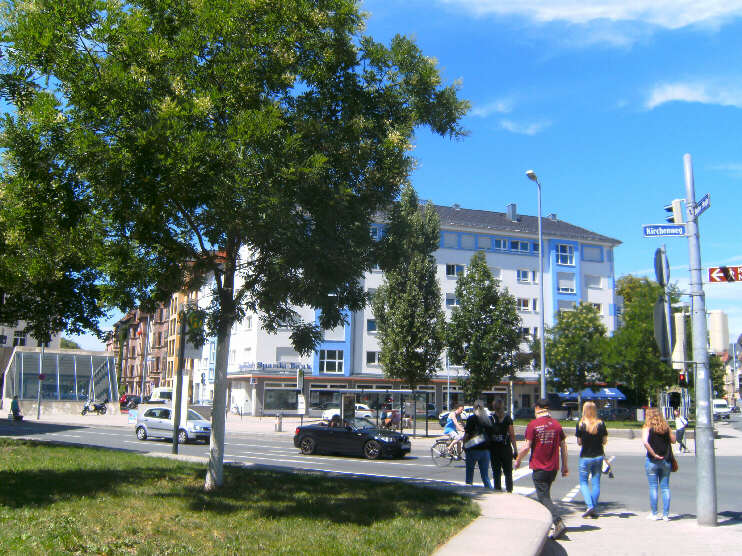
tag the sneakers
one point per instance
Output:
(654, 517)
(588, 513)
(559, 529)
(665, 518)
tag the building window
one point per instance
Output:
(371, 326)
(524, 305)
(521, 246)
(593, 282)
(375, 233)
(370, 293)
(534, 305)
(3, 340)
(451, 300)
(525, 332)
(498, 244)
(39, 342)
(565, 282)
(566, 306)
(376, 268)
(453, 270)
(496, 272)
(467, 241)
(19, 338)
(598, 307)
(331, 360)
(592, 253)
(524, 276)
(484, 243)
(535, 247)
(450, 240)
(565, 254)
(372, 357)
(248, 322)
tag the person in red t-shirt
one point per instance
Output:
(545, 440)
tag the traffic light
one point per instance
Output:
(676, 211)
(682, 379)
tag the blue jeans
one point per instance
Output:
(590, 488)
(481, 458)
(658, 475)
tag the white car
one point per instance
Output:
(362, 410)
(720, 409)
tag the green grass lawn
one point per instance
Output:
(69, 500)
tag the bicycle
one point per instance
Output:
(443, 455)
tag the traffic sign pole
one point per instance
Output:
(705, 463)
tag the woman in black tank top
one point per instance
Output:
(658, 439)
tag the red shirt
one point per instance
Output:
(545, 435)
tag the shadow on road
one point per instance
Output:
(24, 428)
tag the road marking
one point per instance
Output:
(353, 460)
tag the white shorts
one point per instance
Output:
(456, 436)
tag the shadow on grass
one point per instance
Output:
(66, 473)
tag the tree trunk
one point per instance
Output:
(215, 471)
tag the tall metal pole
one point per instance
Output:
(38, 399)
(541, 293)
(705, 462)
(179, 381)
(144, 363)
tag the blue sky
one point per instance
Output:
(602, 100)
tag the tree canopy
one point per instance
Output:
(250, 141)
(407, 306)
(575, 348)
(483, 334)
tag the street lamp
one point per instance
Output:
(532, 176)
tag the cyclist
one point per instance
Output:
(455, 430)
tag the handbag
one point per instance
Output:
(673, 461)
(475, 441)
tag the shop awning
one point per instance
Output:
(599, 394)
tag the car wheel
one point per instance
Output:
(141, 433)
(372, 450)
(307, 445)
(182, 437)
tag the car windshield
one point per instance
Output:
(360, 423)
(193, 416)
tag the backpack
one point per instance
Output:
(443, 419)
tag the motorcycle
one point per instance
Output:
(91, 407)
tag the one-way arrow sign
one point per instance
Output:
(725, 273)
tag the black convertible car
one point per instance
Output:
(354, 437)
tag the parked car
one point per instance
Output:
(356, 437)
(721, 409)
(735, 409)
(617, 414)
(158, 422)
(443, 416)
(430, 411)
(362, 410)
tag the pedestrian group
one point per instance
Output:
(489, 441)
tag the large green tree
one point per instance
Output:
(632, 357)
(576, 347)
(249, 140)
(483, 334)
(407, 306)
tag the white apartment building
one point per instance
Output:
(264, 369)
(15, 335)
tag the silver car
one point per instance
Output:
(158, 422)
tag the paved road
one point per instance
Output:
(626, 492)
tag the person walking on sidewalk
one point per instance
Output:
(545, 440)
(478, 430)
(680, 424)
(658, 439)
(591, 437)
(503, 447)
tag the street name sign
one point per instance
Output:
(664, 230)
(703, 204)
(725, 273)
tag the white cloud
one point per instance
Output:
(524, 128)
(501, 106)
(733, 169)
(694, 91)
(669, 14)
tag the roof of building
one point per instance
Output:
(500, 222)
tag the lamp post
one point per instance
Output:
(532, 176)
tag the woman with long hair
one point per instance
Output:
(503, 447)
(658, 439)
(591, 437)
(477, 431)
